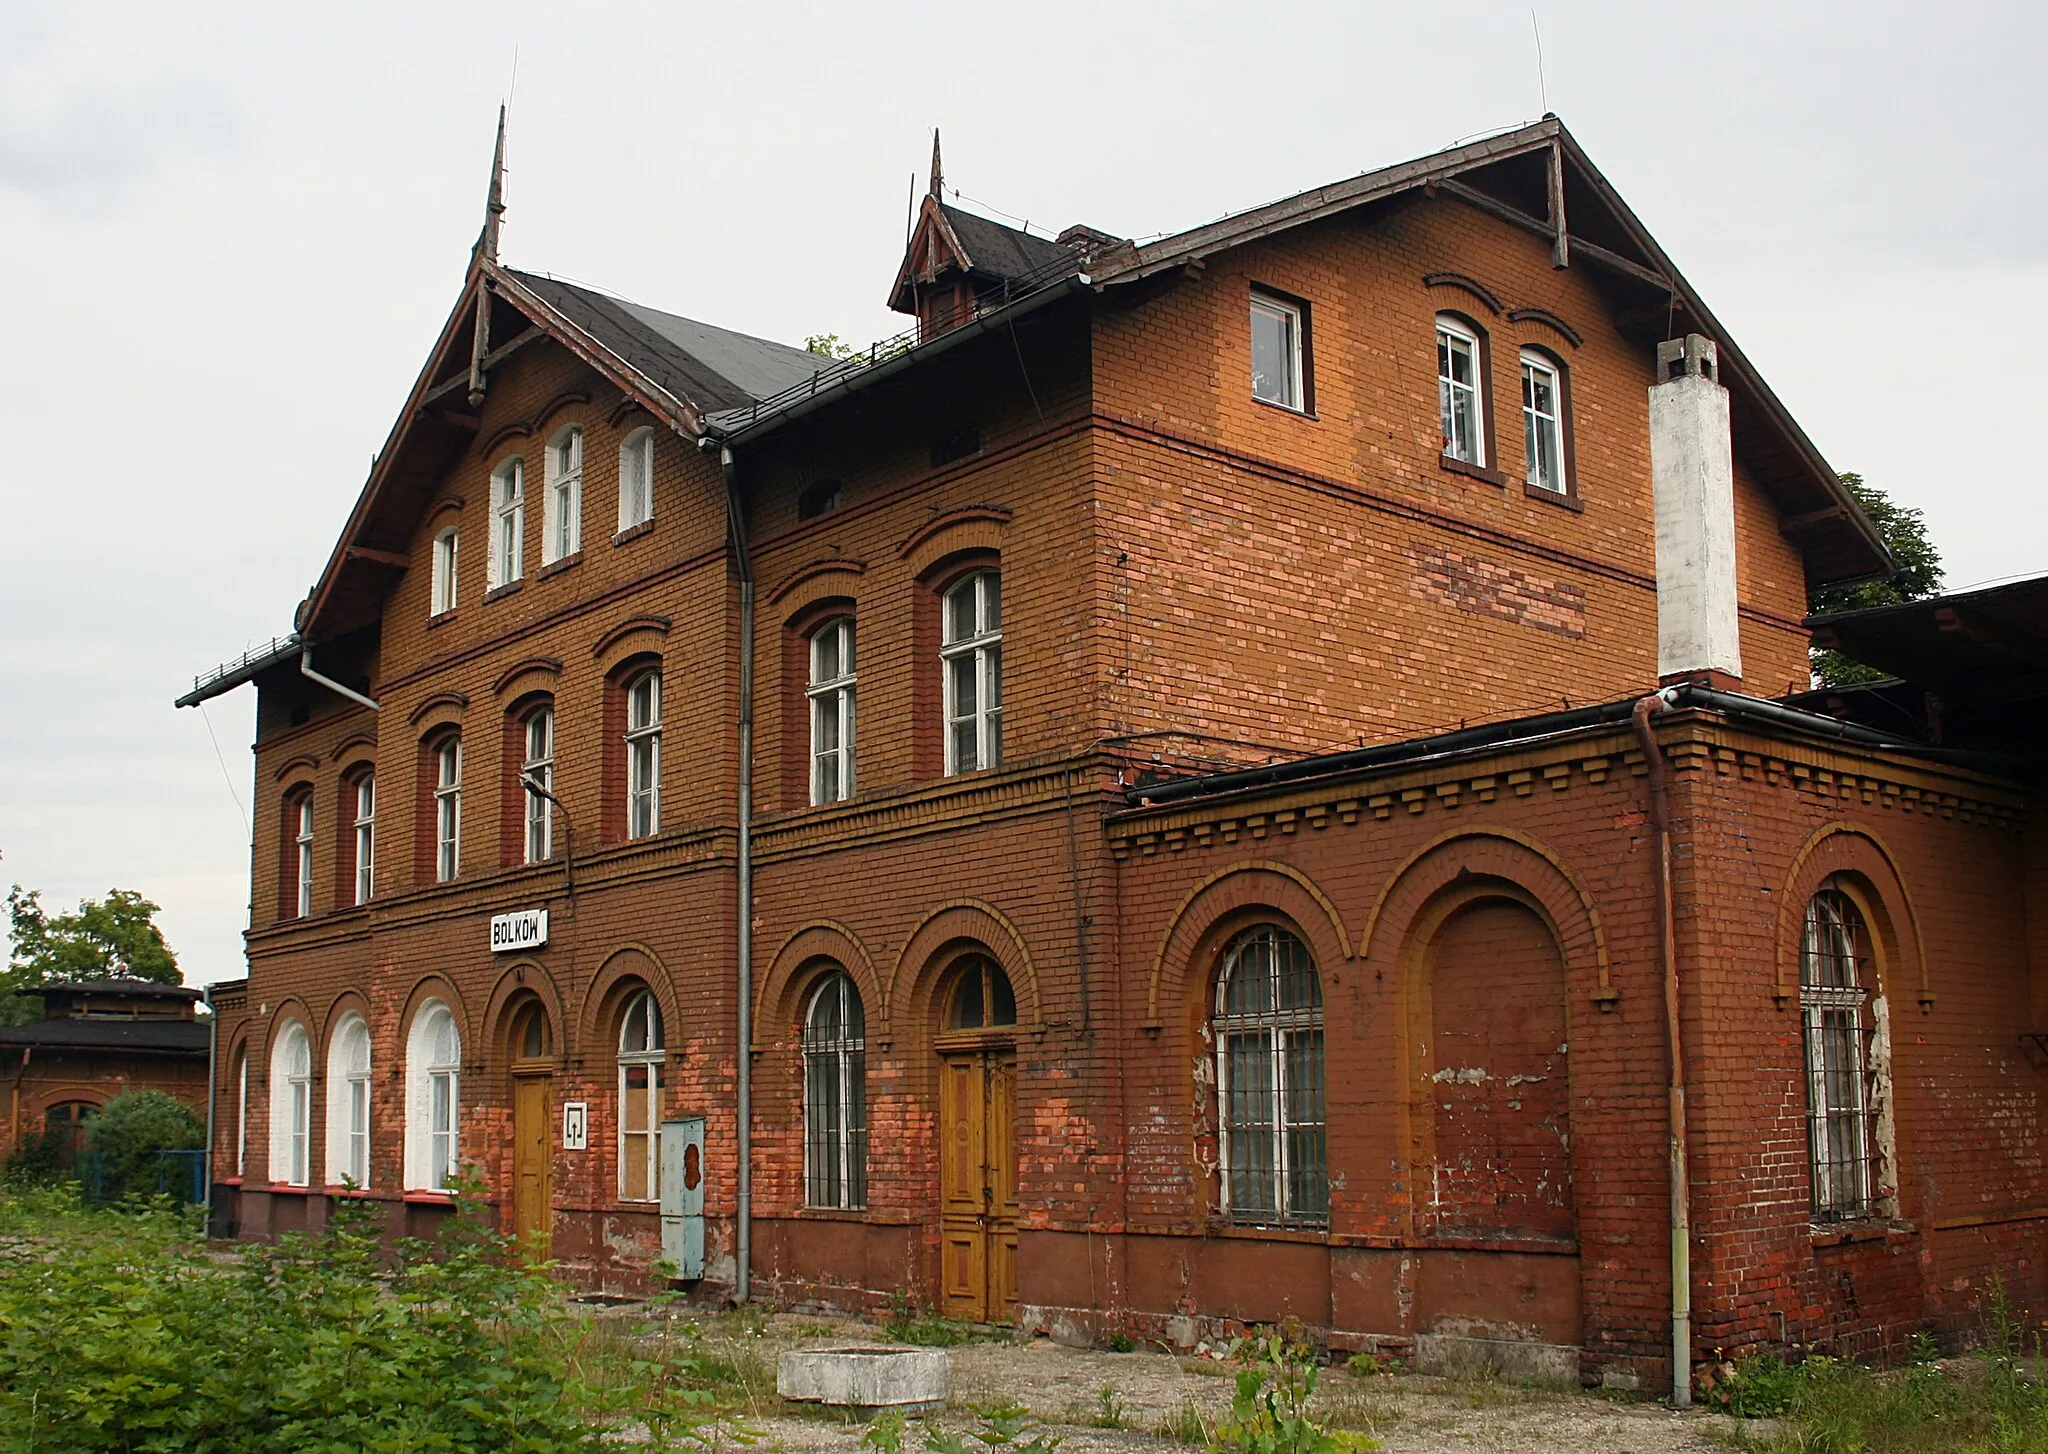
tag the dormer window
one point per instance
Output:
(508, 522)
(636, 479)
(1277, 345)
(563, 535)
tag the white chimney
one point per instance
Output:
(1692, 478)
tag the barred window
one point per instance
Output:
(835, 1096)
(1269, 1064)
(1835, 1006)
(640, 1056)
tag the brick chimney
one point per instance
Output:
(1692, 477)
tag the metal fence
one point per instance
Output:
(180, 1175)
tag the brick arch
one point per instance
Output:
(1259, 883)
(818, 581)
(628, 966)
(964, 921)
(637, 636)
(1873, 879)
(347, 1000)
(1508, 857)
(783, 988)
(520, 979)
(291, 1008)
(970, 528)
(436, 987)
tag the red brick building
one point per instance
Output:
(1253, 884)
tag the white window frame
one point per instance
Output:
(508, 522)
(983, 646)
(643, 754)
(448, 809)
(1847, 1074)
(242, 1112)
(433, 1101)
(831, 691)
(446, 559)
(291, 1105)
(836, 1136)
(641, 1048)
(636, 478)
(348, 1102)
(1275, 1025)
(1290, 318)
(1535, 422)
(1450, 332)
(366, 837)
(302, 891)
(538, 733)
(563, 534)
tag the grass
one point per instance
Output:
(1184, 1425)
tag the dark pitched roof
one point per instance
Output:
(177, 1037)
(129, 987)
(715, 368)
(1989, 644)
(1004, 252)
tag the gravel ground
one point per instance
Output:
(1073, 1390)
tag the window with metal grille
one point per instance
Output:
(835, 1096)
(972, 658)
(831, 693)
(1835, 1006)
(641, 1054)
(1269, 1067)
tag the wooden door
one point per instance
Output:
(532, 1162)
(977, 1187)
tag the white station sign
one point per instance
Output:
(526, 929)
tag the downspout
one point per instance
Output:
(306, 671)
(736, 528)
(212, 1091)
(1667, 954)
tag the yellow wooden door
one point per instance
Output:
(977, 1187)
(532, 1163)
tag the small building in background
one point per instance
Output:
(98, 1038)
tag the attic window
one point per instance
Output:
(821, 498)
(957, 445)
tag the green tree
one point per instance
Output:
(111, 938)
(129, 1131)
(1919, 576)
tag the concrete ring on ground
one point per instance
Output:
(866, 1378)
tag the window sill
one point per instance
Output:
(1563, 499)
(1222, 1226)
(288, 1189)
(355, 1193)
(556, 567)
(499, 593)
(234, 1181)
(1308, 414)
(634, 532)
(428, 1199)
(444, 618)
(831, 1214)
(1453, 465)
(1841, 1234)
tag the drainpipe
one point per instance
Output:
(1667, 954)
(212, 1090)
(306, 671)
(736, 527)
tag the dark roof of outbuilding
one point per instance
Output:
(715, 368)
(1004, 252)
(178, 1037)
(109, 986)
(1989, 644)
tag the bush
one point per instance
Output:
(1276, 1378)
(119, 1331)
(128, 1132)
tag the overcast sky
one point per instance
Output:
(229, 234)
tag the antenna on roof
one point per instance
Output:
(910, 211)
(1542, 89)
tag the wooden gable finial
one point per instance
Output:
(938, 187)
(494, 203)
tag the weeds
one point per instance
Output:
(1276, 1378)
(919, 1326)
(1184, 1425)
(1110, 1412)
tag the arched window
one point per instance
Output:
(508, 522)
(291, 1104)
(836, 1096)
(537, 770)
(241, 1111)
(971, 655)
(982, 997)
(831, 692)
(563, 535)
(1543, 422)
(1836, 990)
(433, 1098)
(640, 1056)
(1460, 389)
(636, 478)
(448, 809)
(64, 1132)
(643, 755)
(298, 813)
(443, 583)
(533, 1038)
(1269, 1067)
(366, 837)
(348, 1103)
